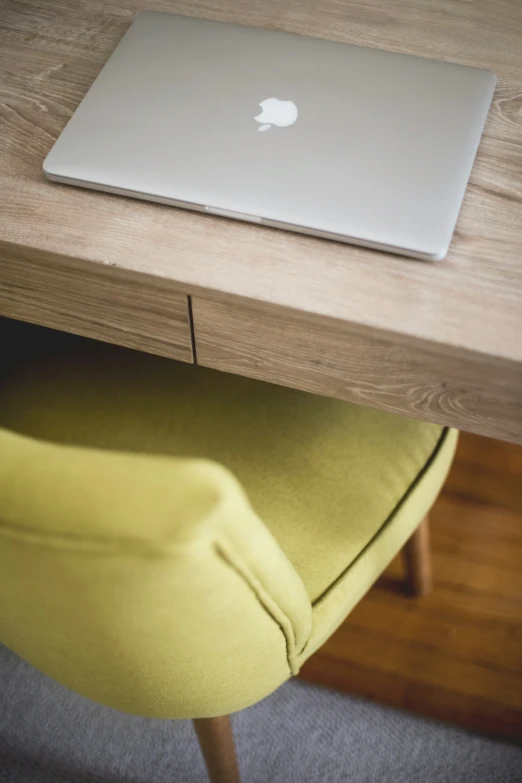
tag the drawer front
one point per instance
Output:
(97, 301)
(328, 358)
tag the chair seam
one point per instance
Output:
(226, 552)
(103, 545)
(116, 546)
(411, 487)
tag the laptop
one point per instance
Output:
(354, 144)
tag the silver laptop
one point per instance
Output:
(339, 141)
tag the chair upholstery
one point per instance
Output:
(176, 541)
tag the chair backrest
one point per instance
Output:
(145, 583)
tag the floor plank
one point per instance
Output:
(457, 654)
(487, 470)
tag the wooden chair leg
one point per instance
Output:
(217, 746)
(417, 555)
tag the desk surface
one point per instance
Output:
(467, 305)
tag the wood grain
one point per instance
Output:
(468, 304)
(457, 654)
(217, 746)
(417, 558)
(487, 471)
(99, 301)
(331, 359)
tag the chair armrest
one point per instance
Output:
(146, 583)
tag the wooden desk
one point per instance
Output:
(439, 341)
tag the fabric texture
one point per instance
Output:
(300, 734)
(175, 541)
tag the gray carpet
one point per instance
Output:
(301, 734)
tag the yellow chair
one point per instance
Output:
(174, 541)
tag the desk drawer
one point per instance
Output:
(102, 302)
(336, 360)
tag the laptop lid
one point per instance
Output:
(357, 144)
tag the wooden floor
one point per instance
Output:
(456, 655)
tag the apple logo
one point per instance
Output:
(276, 112)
